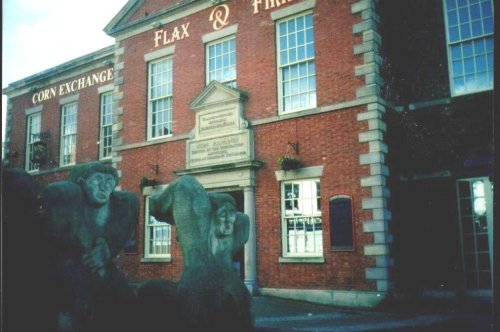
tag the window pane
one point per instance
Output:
(457, 68)
(452, 18)
(467, 49)
(481, 63)
(488, 25)
(462, 3)
(486, 8)
(465, 31)
(456, 52)
(463, 15)
(295, 54)
(459, 84)
(302, 222)
(470, 82)
(454, 34)
(479, 46)
(468, 65)
(475, 12)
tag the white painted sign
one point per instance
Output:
(220, 150)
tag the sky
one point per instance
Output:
(40, 34)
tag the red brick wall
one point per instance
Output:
(138, 163)
(256, 64)
(329, 139)
(87, 122)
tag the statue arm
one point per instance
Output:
(62, 203)
(241, 231)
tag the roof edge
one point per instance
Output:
(113, 28)
(126, 12)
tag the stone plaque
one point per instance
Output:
(217, 122)
(221, 135)
(219, 150)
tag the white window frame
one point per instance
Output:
(473, 57)
(166, 97)
(307, 92)
(149, 256)
(33, 132)
(315, 213)
(225, 56)
(475, 208)
(106, 125)
(68, 131)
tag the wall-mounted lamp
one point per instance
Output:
(294, 146)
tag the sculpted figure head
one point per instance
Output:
(97, 181)
(224, 215)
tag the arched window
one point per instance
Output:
(341, 223)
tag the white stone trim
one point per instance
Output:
(117, 126)
(372, 226)
(33, 110)
(142, 144)
(226, 32)
(382, 238)
(373, 203)
(376, 106)
(368, 136)
(373, 180)
(369, 68)
(378, 146)
(363, 26)
(371, 158)
(302, 260)
(106, 88)
(161, 53)
(156, 260)
(353, 299)
(382, 214)
(293, 9)
(362, 5)
(376, 250)
(374, 124)
(379, 169)
(370, 46)
(119, 66)
(384, 261)
(322, 109)
(69, 99)
(301, 173)
(369, 115)
(377, 273)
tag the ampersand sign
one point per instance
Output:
(220, 16)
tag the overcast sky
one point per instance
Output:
(40, 34)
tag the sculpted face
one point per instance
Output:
(98, 187)
(224, 219)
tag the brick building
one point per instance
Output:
(222, 90)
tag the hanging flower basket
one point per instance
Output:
(287, 163)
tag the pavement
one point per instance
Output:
(281, 315)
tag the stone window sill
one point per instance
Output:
(156, 260)
(302, 260)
